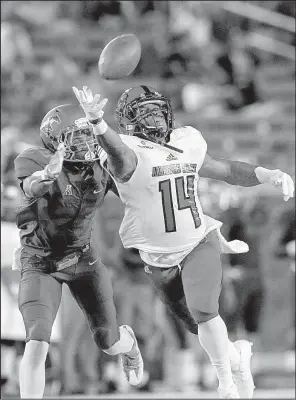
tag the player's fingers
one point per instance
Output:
(57, 167)
(80, 96)
(96, 99)
(83, 99)
(86, 89)
(61, 149)
(88, 94)
(100, 114)
(54, 168)
(76, 92)
(290, 184)
(284, 185)
(102, 104)
(61, 146)
(56, 161)
(58, 157)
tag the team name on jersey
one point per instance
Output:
(174, 169)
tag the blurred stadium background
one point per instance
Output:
(229, 68)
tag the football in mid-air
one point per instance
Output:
(120, 57)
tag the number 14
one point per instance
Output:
(165, 187)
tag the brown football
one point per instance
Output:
(120, 57)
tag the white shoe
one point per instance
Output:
(230, 393)
(132, 361)
(242, 374)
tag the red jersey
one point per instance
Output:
(61, 220)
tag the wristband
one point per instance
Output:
(100, 128)
(95, 121)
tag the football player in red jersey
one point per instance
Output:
(63, 185)
(156, 168)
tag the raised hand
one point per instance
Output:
(92, 105)
(54, 167)
(284, 182)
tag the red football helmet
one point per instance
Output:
(142, 111)
(67, 124)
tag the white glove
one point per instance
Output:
(284, 182)
(278, 179)
(47, 176)
(92, 106)
(290, 248)
(55, 165)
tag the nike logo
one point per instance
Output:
(92, 262)
(171, 157)
(97, 191)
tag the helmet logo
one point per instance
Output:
(129, 127)
(46, 126)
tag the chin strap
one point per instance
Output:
(142, 136)
(172, 147)
(169, 146)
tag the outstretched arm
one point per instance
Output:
(233, 172)
(244, 174)
(122, 161)
(37, 184)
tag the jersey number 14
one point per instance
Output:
(184, 201)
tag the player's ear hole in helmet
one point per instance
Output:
(143, 111)
(67, 124)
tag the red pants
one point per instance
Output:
(90, 284)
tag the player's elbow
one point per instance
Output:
(123, 164)
(231, 180)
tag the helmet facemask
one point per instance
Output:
(64, 124)
(81, 144)
(148, 116)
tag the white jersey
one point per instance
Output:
(162, 210)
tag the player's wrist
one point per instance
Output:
(99, 126)
(95, 121)
(263, 174)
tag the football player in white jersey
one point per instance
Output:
(156, 168)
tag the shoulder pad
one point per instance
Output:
(31, 160)
(191, 135)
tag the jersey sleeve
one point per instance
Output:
(198, 145)
(197, 141)
(31, 160)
